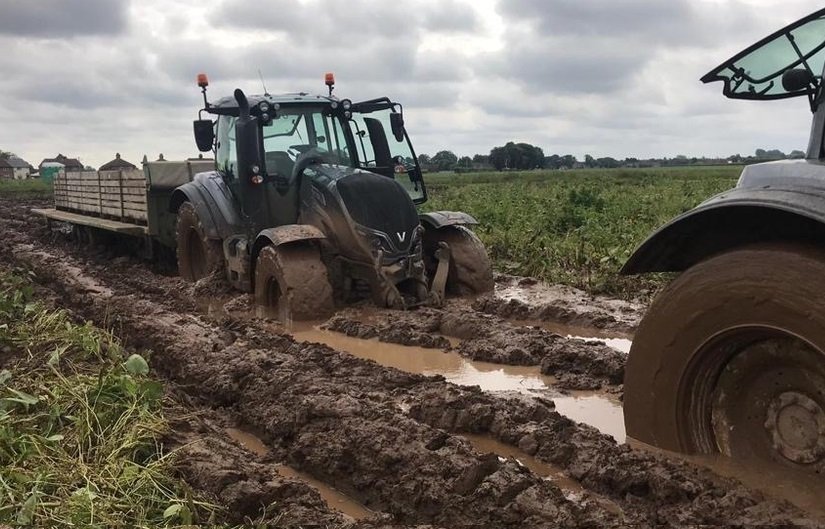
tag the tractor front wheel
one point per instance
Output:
(730, 358)
(471, 271)
(291, 283)
(198, 256)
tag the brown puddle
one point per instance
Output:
(593, 409)
(617, 340)
(336, 500)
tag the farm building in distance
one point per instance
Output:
(69, 164)
(116, 164)
(14, 168)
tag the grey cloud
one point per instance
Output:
(61, 18)
(350, 23)
(563, 65)
(449, 16)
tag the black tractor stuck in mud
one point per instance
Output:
(314, 198)
(311, 201)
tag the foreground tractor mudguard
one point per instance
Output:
(734, 218)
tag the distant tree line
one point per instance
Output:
(522, 156)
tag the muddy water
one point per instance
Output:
(594, 409)
(334, 499)
(616, 340)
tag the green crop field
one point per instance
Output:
(575, 227)
(570, 227)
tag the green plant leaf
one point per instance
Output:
(5, 376)
(136, 365)
(173, 510)
(22, 398)
(25, 515)
(56, 437)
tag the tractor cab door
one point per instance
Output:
(380, 151)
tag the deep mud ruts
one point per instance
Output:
(390, 440)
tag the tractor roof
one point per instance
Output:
(229, 106)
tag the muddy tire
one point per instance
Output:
(197, 255)
(730, 358)
(471, 271)
(291, 283)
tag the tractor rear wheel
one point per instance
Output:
(730, 358)
(291, 283)
(471, 271)
(198, 256)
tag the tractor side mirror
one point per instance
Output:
(797, 79)
(397, 124)
(204, 134)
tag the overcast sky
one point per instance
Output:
(619, 78)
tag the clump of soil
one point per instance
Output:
(386, 332)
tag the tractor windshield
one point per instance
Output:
(756, 73)
(381, 152)
(293, 132)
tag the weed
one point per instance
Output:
(80, 426)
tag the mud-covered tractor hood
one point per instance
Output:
(379, 206)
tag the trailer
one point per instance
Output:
(133, 202)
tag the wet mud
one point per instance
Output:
(575, 363)
(526, 298)
(391, 441)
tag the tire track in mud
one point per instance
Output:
(342, 419)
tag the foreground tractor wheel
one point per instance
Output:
(291, 283)
(471, 271)
(730, 358)
(198, 256)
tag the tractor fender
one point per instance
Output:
(214, 203)
(734, 218)
(442, 219)
(288, 233)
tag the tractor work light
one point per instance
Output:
(346, 104)
(264, 106)
(203, 80)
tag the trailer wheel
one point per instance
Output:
(291, 283)
(198, 256)
(471, 271)
(730, 358)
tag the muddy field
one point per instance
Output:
(465, 415)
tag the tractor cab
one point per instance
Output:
(272, 139)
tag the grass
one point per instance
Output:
(25, 188)
(80, 425)
(576, 227)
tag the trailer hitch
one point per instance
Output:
(442, 254)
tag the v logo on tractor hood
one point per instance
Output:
(756, 72)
